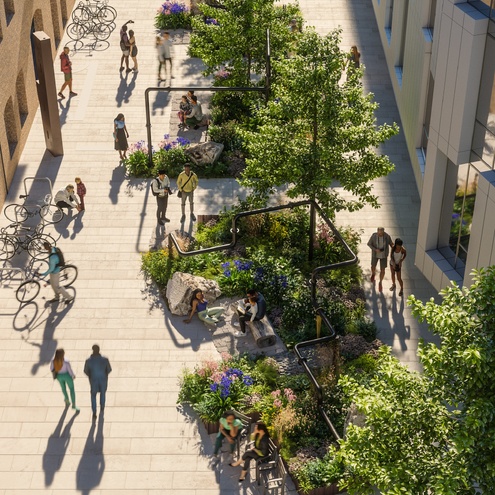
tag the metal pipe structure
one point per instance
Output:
(319, 311)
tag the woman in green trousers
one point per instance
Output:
(62, 371)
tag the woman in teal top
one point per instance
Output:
(229, 429)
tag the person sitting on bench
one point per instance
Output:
(258, 311)
(195, 117)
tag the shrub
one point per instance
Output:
(226, 134)
(316, 473)
(137, 163)
(173, 15)
(172, 160)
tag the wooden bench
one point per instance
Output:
(274, 480)
(263, 332)
(244, 430)
(267, 463)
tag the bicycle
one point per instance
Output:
(29, 290)
(49, 212)
(12, 242)
(77, 31)
(104, 13)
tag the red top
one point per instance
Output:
(81, 189)
(65, 63)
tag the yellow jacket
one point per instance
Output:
(187, 183)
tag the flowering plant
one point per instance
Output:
(166, 144)
(221, 74)
(237, 278)
(137, 163)
(171, 155)
(211, 21)
(173, 15)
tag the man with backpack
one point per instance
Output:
(160, 187)
(56, 262)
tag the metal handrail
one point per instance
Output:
(320, 312)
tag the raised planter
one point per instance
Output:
(211, 427)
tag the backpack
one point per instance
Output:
(61, 260)
(154, 193)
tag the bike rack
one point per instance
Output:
(28, 193)
(14, 269)
(319, 311)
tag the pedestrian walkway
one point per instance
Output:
(146, 444)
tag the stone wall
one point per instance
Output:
(18, 98)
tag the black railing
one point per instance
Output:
(319, 311)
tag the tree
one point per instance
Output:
(462, 369)
(233, 34)
(317, 132)
(431, 433)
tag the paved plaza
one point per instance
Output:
(146, 444)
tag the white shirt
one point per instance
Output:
(66, 197)
(66, 368)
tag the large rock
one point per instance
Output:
(205, 153)
(180, 289)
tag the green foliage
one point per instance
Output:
(226, 134)
(318, 472)
(239, 37)
(233, 106)
(365, 363)
(173, 15)
(159, 266)
(137, 164)
(172, 160)
(317, 132)
(460, 371)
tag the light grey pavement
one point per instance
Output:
(146, 445)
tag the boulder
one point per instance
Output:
(205, 153)
(180, 289)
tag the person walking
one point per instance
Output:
(379, 243)
(54, 266)
(160, 187)
(125, 47)
(81, 192)
(66, 67)
(133, 50)
(62, 372)
(396, 258)
(65, 198)
(165, 49)
(258, 310)
(97, 368)
(354, 58)
(187, 182)
(120, 135)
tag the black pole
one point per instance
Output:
(312, 231)
(148, 128)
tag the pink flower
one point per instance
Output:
(275, 393)
(216, 376)
(277, 403)
(226, 356)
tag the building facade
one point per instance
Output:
(441, 58)
(18, 97)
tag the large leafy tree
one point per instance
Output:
(431, 433)
(319, 130)
(233, 34)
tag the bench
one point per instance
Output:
(267, 463)
(274, 480)
(244, 430)
(263, 332)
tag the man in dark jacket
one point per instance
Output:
(243, 317)
(97, 368)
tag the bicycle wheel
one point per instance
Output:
(37, 266)
(51, 213)
(16, 213)
(68, 275)
(76, 31)
(27, 291)
(102, 32)
(36, 248)
(81, 14)
(7, 248)
(107, 14)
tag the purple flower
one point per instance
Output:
(258, 274)
(247, 380)
(214, 387)
(227, 273)
(211, 21)
(182, 141)
(225, 265)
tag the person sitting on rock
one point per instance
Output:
(199, 305)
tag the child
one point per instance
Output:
(185, 109)
(81, 192)
(396, 259)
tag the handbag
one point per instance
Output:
(179, 193)
(54, 374)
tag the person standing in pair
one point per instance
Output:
(81, 192)
(160, 187)
(133, 50)
(120, 136)
(379, 243)
(396, 258)
(187, 182)
(62, 372)
(97, 368)
(125, 47)
(165, 50)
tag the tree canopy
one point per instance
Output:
(318, 132)
(431, 433)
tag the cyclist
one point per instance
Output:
(54, 272)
